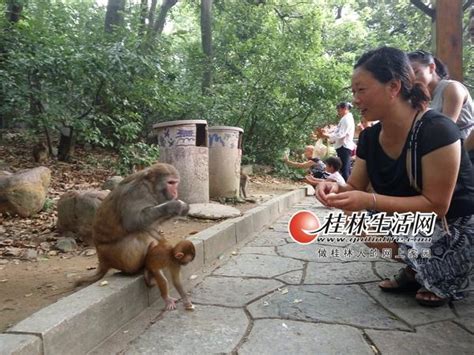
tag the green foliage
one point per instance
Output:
(136, 156)
(279, 68)
(283, 170)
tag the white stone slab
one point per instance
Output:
(405, 307)
(292, 278)
(341, 304)
(232, 291)
(206, 330)
(212, 211)
(439, 338)
(270, 336)
(250, 265)
(339, 273)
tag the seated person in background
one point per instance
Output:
(333, 165)
(314, 165)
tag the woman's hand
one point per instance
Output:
(310, 179)
(350, 200)
(323, 189)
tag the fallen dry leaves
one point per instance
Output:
(87, 170)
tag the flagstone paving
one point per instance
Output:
(276, 296)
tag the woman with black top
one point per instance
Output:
(414, 162)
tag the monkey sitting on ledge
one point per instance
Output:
(125, 228)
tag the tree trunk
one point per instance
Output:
(66, 144)
(13, 15)
(161, 20)
(143, 16)
(151, 14)
(206, 38)
(449, 36)
(114, 14)
(14, 9)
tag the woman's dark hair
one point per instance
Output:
(347, 105)
(427, 58)
(335, 162)
(386, 64)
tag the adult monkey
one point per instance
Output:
(139, 204)
(126, 223)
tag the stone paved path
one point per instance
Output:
(278, 297)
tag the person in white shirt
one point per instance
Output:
(343, 137)
(333, 165)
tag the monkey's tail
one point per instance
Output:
(101, 271)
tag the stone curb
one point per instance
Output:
(78, 323)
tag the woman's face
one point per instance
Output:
(341, 111)
(370, 96)
(423, 72)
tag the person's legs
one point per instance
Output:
(345, 155)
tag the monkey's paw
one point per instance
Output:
(184, 208)
(170, 303)
(177, 208)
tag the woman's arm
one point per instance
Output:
(312, 180)
(440, 170)
(306, 165)
(342, 129)
(453, 99)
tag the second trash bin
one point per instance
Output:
(225, 154)
(183, 144)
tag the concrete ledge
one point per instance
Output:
(216, 239)
(78, 323)
(243, 227)
(87, 316)
(20, 344)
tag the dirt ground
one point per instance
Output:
(29, 285)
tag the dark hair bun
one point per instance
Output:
(344, 104)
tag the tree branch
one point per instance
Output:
(160, 21)
(96, 98)
(423, 7)
(151, 14)
(467, 4)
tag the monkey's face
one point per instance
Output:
(184, 252)
(186, 259)
(171, 188)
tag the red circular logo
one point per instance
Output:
(302, 227)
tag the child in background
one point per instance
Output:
(333, 165)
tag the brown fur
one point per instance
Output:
(40, 152)
(125, 225)
(163, 255)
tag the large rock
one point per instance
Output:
(24, 193)
(76, 211)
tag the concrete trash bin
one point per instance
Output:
(184, 144)
(225, 155)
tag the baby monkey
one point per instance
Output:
(161, 255)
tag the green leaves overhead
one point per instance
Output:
(279, 67)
